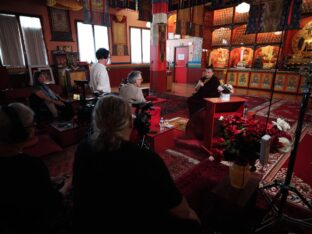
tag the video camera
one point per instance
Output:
(141, 122)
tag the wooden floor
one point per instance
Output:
(186, 90)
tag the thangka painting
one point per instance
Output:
(255, 80)
(243, 79)
(119, 35)
(292, 83)
(280, 82)
(266, 80)
(231, 78)
(96, 12)
(183, 22)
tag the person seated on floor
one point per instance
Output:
(206, 87)
(119, 186)
(131, 90)
(43, 95)
(28, 201)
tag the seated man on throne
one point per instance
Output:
(206, 87)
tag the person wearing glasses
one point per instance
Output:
(99, 79)
(131, 91)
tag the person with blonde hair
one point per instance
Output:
(119, 187)
(28, 201)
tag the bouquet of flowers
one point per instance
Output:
(281, 140)
(226, 88)
(241, 137)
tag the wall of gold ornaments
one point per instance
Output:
(300, 51)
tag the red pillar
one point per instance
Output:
(158, 46)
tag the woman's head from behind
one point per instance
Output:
(112, 122)
(16, 123)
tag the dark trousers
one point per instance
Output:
(194, 104)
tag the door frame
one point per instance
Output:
(174, 63)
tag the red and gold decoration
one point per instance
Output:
(96, 12)
(158, 45)
(240, 37)
(223, 16)
(241, 57)
(72, 5)
(219, 58)
(267, 55)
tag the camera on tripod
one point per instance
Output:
(142, 117)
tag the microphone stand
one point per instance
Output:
(275, 210)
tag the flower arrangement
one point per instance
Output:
(241, 137)
(226, 88)
(281, 140)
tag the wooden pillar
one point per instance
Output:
(158, 81)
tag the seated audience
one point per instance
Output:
(206, 87)
(28, 201)
(43, 95)
(119, 187)
(131, 91)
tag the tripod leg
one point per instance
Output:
(276, 183)
(293, 189)
(272, 204)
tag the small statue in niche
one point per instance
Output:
(258, 63)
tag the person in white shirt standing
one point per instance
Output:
(99, 80)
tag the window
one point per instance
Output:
(12, 41)
(90, 39)
(140, 45)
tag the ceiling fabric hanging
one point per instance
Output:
(72, 5)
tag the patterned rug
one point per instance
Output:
(276, 169)
(177, 162)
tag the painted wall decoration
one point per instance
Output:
(267, 55)
(241, 57)
(219, 58)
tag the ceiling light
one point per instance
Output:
(242, 8)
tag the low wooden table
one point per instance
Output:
(66, 133)
(161, 139)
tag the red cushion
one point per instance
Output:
(44, 146)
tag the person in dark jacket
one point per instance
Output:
(119, 187)
(28, 201)
(206, 87)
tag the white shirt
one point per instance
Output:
(99, 80)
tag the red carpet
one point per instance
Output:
(177, 162)
(303, 166)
